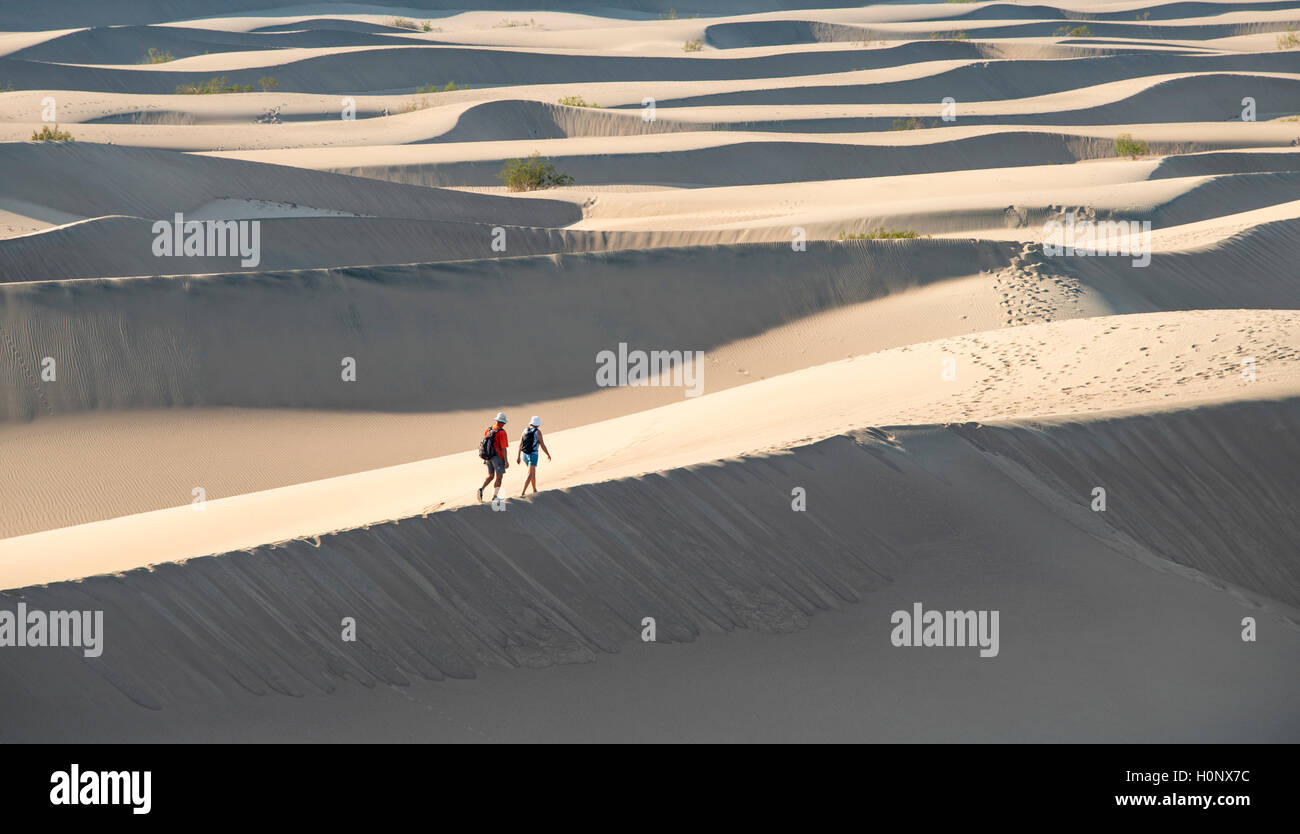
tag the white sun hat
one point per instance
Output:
(501, 417)
(536, 421)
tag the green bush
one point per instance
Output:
(578, 101)
(267, 83)
(213, 86)
(1126, 145)
(1288, 40)
(403, 23)
(46, 134)
(948, 36)
(532, 174)
(693, 45)
(156, 57)
(450, 86)
(907, 124)
(882, 234)
(1076, 32)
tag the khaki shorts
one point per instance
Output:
(496, 465)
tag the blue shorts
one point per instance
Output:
(530, 458)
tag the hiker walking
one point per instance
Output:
(528, 446)
(492, 449)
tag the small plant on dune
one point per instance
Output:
(948, 36)
(427, 26)
(403, 23)
(532, 174)
(416, 104)
(213, 86)
(1126, 145)
(881, 234)
(1076, 32)
(1290, 39)
(156, 57)
(579, 101)
(1290, 119)
(693, 45)
(48, 134)
(907, 124)
(449, 87)
(267, 83)
(513, 24)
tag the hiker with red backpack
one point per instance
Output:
(528, 446)
(492, 450)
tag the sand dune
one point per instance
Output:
(571, 575)
(106, 180)
(847, 212)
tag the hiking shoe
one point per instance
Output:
(480, 495)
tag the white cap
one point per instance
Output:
(501, 417)
(536, 421)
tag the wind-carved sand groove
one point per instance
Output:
(948, 399)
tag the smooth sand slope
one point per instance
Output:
(845, 210)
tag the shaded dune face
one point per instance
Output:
(840, 217)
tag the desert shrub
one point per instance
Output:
(267, 83)
(1076, 32)
(882, 234)
(213, 86)
(948, 36)
(578, 101)
(427, 26)
(450, 86)
(403, 23)
(532, 174)
(48, 134)
(156, 57)
(693, 45)
(1126, 145)
(907, 124)
(507, 23)
(1290, 39)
